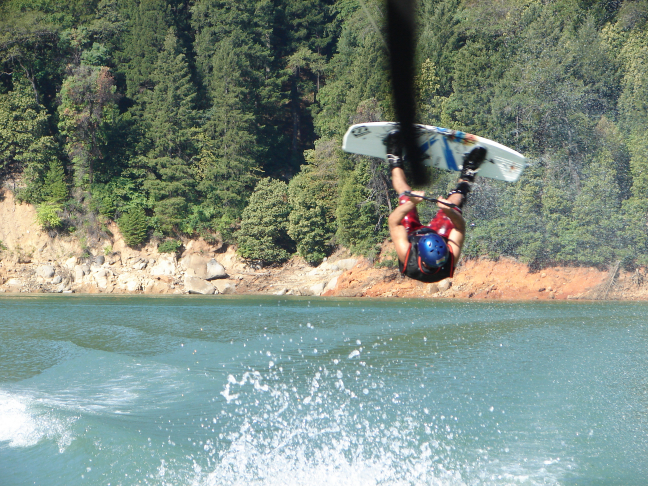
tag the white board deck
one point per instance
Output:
(442, 148)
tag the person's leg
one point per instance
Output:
(394, 147)
(459, 194)
(394, 158)
(472, 162)
(399, 181)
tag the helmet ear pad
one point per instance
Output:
(433, 250)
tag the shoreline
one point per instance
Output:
(32, 262)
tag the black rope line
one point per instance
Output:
(431, 199)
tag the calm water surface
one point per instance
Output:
(269, 391)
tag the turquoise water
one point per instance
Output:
(269, 391)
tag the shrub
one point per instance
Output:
(133, 226)
(169, 246)
(47, 215)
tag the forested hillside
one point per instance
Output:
(224, 119)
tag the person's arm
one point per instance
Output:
(458, 234)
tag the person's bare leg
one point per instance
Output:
(399, 181)
(457, 197)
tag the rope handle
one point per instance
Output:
(431, 199)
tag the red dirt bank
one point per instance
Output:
(504, 279)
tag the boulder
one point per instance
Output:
(318, 288)
(156, 287)
(331, 284)
(113, 258)
(195, 266)
(432, 288)
(225, 286)
(61, 288)
(129, 282)
(445, 285)
(81, 271)
(57, 280)
(140, 265)
(195, 285)
(71, 262)
(14, 284)
(101, 277)
(346, 264)
(215, 270)
(99, 260)
(164, 266)
(45, 271)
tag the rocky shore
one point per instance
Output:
(33, 261)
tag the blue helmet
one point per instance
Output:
(433, 250)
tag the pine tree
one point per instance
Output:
(25, 145)
(630, 38)
(310, 29)
(594, 231)
(148, 22)
(133, 226)
(234, 58)
(169, 114)
(169, 119)
(263, 236)
(313, 196)
(55, 188)
(357, 74)
(170, 190)
(360, 226)
(228, 161)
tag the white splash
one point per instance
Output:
(24, 424)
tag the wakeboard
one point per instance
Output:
(441, 148)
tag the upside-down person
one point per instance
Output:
(428, 253)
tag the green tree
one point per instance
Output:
(629, 38)
(87, 110)
(594, 234)
(313, 196)
(29, 45)
(360, 226)
(517, 228)
(55, 188)
(310, 31)
(148, 23)
(134, 226)
(263, 236)
(356, 73)
(169, 118)
(170, 192)
(225, 181)
(229, 159)
(243, 81)
(169, 114)
(25, 144)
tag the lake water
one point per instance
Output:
(98, 390)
